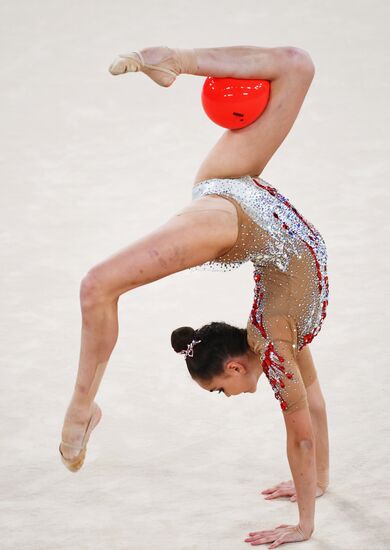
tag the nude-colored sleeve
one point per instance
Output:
(279, 363)
(306, 367)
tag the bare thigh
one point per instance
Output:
(247, 151)
(200, 232)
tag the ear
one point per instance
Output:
(235, 366)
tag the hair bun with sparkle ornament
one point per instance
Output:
(181, 340)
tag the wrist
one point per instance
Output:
(322, 477)
(306, 528)
(322, 486)
(323, 481)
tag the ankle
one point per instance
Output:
(78, 412)
(187, 60)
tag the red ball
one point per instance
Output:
(234, 102)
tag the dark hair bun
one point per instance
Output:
(181, 337)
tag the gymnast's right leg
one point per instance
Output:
(245, 151)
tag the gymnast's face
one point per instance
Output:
(240, 376)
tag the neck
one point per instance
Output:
(254, 361)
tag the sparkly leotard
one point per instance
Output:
(290, 273)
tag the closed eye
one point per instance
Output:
(219, 391)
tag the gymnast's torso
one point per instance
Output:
(290, 273)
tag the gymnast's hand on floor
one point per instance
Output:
(280, 535)
(286, 489)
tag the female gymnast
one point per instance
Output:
(234, 217)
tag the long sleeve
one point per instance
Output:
(278, 356)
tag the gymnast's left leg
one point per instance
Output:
(182, 242)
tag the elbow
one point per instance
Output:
(300, 60)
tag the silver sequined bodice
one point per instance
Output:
(287, 251)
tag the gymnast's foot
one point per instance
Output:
(75, 435)
(161, 64)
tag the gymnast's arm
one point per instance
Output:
(301, 457)
(318, 415)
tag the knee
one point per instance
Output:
(300, 59)
(93, 289)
